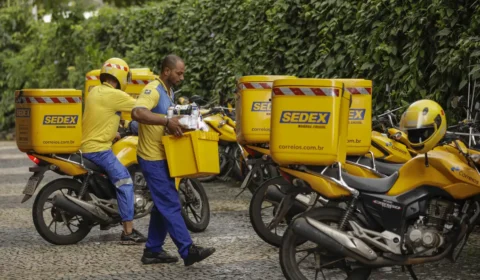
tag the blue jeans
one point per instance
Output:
(166, 215)
(120, 178)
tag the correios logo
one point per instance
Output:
(391, 146)
(464, 175)
(455, 168)
(305, 117)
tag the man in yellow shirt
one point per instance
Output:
(100, 124)
(150, 112)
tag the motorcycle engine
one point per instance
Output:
(140, 187)
(140, 201)
(427, 234)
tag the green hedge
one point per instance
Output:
(422, 49)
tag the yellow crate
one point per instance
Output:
(195, 154)
(305, 121)
(360, 117)
(48, 121)
(252, 108)
(140, 78)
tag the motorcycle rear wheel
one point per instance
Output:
(38, 211)
(258, 204)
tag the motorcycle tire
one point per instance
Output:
(195, 222)
(255, 213)
(39, 219)
(290, 241)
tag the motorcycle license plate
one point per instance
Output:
(31, 185)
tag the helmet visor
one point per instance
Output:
(413, 119)
(418, 125)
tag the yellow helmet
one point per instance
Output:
(118, 69)
(425, 124)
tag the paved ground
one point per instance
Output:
(240, 253)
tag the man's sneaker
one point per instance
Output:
(197, 254)
(160, 257)
(133, 238)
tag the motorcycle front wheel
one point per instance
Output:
(195, 205)
(53, 224)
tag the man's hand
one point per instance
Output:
(174, 126)
(117, 137)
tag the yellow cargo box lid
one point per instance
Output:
(307, 82)
(263, 78)
(357, 86)
(50, 92)
(260, 82)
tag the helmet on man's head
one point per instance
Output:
(117, 69)
(425, 124)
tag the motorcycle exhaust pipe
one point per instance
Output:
(335, 241)
(273, 193)
(76, 206)
(342, 244)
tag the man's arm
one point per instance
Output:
(141, 113)
(123, 102)
(145, 116)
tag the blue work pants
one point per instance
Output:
(166, 215)
(119, 176)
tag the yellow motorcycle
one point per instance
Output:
(276, 200)
(424, 213)
(66, 209)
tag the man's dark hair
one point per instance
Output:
(169, 61)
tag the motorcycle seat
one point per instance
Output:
(372, 185)
(385, 168)
(88, 164)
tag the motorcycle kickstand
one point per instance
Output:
(412, 273)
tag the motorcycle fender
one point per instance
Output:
(325, 188)
(64, 166)
(125, 150)
(34, 181)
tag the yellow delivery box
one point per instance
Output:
(360, 116)
(252, 108)
(48, 121)
(306, 120)
(195, 154)
(140, 78)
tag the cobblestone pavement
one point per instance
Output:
(240, 253)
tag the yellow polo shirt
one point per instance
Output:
(101, 117)
(150, 145)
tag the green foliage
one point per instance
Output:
(422, 49)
